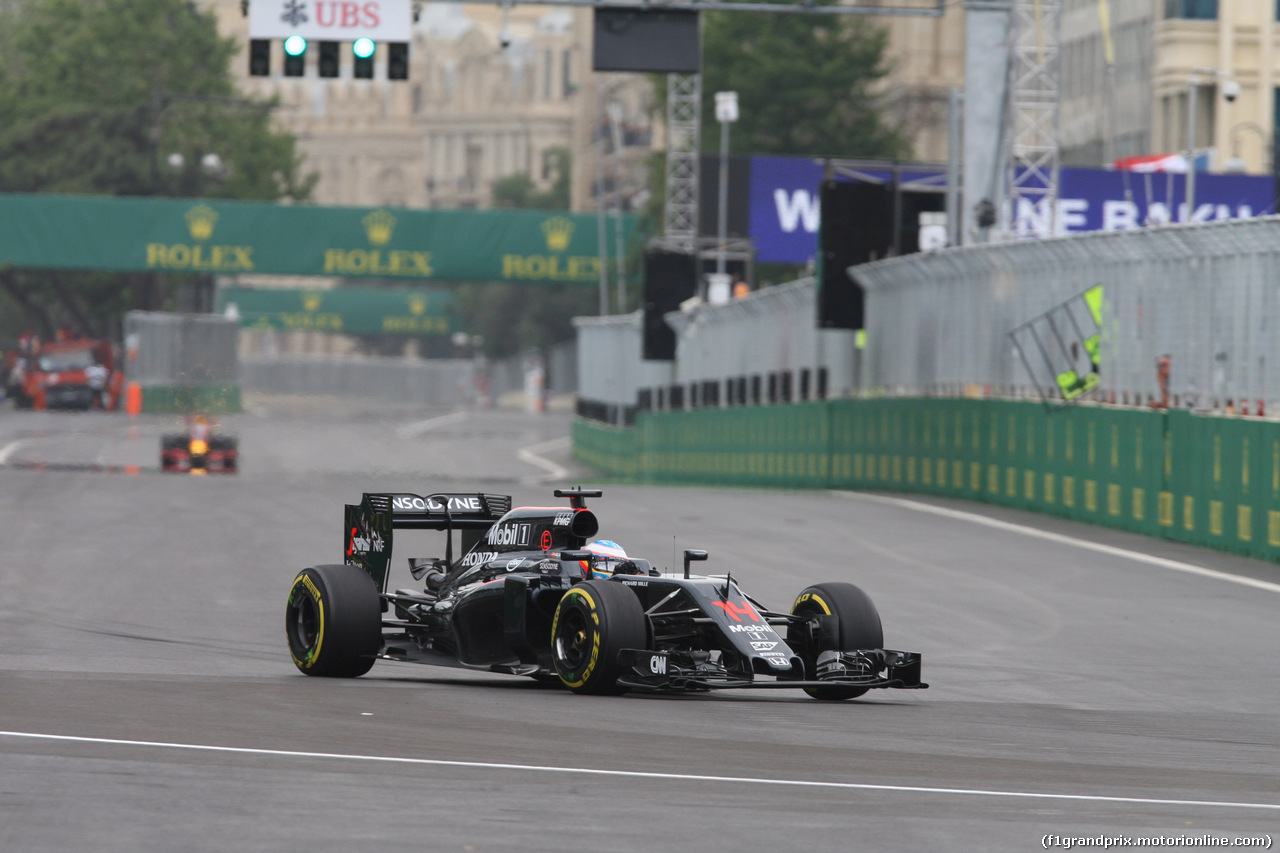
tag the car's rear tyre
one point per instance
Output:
(856, 626)
(171, 444)
(593, 622)
(334, 621)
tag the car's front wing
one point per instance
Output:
(677, 670)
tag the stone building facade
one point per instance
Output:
(472, 111)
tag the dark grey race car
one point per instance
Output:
(527, 599)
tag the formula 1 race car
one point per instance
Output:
(199, 450)
(531, 597)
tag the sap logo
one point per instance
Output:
(658, 664)
(762, 647)
(800, 206)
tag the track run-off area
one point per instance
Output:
(1083, 682)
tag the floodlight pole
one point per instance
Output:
(1215, 75)
(722, 211)
(614, 111)
(1193, 86)
(602, 247)
(726, 114)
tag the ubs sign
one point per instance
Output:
(331, 20)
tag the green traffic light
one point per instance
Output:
(295, 45)
(362, 48)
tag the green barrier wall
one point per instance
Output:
(191, 399)
(1204, 480)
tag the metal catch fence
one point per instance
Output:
(762, 348)
(437, 382)
(1200, 303)
(180, 349)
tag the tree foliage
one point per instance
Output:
(804, 84)
(512, 317)
(515, 317)
(519, 191)
(94, 97)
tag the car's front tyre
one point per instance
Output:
(593, 622)
(334, 621)
(855, 625)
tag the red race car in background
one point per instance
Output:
(199, 450)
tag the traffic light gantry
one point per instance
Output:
(363, 51)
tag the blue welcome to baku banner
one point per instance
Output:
(785, 211)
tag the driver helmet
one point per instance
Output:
(607, 556)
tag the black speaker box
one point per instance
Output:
(669, 279)
(857, 226)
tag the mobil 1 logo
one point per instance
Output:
(513, 534)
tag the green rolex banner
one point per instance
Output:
(352, 310)
(230, 237)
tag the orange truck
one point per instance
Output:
(65, 374)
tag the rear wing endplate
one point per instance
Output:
(367, 531)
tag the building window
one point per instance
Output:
(548, 72)
(475, 160)
(1200, 10)
(566, 74)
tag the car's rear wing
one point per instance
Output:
(367, 533)
(441, 511)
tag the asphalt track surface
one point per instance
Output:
(148, 702)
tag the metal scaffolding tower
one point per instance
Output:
(1034, 102)
(684, 120)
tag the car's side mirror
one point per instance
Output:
(690, 556)
(571, 562)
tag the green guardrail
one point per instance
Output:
(215, 399)
(1201, 479)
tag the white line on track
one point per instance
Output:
(531, 455)
(7, 451)
(637, 774)
(1160, 562)
(417, 428)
